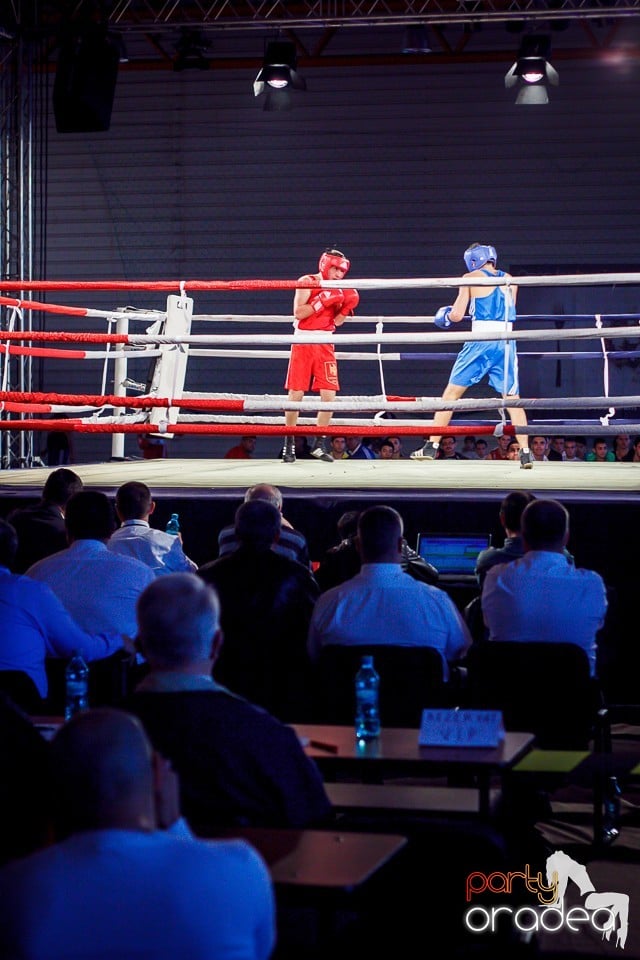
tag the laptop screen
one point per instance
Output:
(452, 553)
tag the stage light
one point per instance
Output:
(532, 70)
(279, 71)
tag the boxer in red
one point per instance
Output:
(313, 365)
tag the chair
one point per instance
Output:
(411, 678)
(542, 687)
(19, 686)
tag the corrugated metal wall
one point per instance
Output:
(401, 167)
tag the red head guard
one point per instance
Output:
(332, 258)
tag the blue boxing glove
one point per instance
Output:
(441, 318)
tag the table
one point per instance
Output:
(326, 861)
(396, 752)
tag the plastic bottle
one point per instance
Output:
(76, 679)
(367, 707)
(173, 525)
(611, 810)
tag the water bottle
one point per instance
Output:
(367, 708)
(76, 678)
(611, 810)
(173, 525)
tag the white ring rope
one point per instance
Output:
(374, 338)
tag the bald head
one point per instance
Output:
(380, 532)
(101, 773)
(265, 491)
(178, 619)
(545, 526)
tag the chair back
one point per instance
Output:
(545, 688)
(411, 678)
(19, 686)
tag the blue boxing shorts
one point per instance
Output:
(488, 358)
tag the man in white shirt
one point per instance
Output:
(136, 538)
(514, 594)
(383, 604)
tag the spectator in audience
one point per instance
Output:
(538, 446)
(386, 450)
(482, 448)
(469, 447)
(447, 449)
(556, 449)
(499, 452)
(136, 538)
(571, 450)
(397, 447)
(621, 446)
(510, 516)
(380, 604)
(634, 453)
(600, 452)
(342, 561)
(544, 579)
(99, 588)
(358, 450)
(117, 885)
(513, 449)
(24, 758)
(153, 446)
(35, 624)
(266, 601)
(291, 543)
(40, 528)
(581, 448)
(236, 763)
(242, 450)
(338, 448)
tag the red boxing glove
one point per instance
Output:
(350, 302)
(326, 298)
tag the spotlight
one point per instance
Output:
(279, 70)
(532, 70)
(416, 39)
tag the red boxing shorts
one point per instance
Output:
(312, 364)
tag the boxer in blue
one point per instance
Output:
(490, 308)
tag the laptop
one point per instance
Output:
(453, 554)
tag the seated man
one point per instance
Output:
(236, 763)
(114, 884)
(136, 538)
(511, 510)
(266, 602)
(515, 594)
(291, 543)
(35, 625)
(98, 587)
(41, 529)
(380, 604)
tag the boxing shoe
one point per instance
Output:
(428, 452)
(289, 450)
(526, 460)
(320, 450)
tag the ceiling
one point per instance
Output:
(231, 33)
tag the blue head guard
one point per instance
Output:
(479, 254)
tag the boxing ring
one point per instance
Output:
(164, 406)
